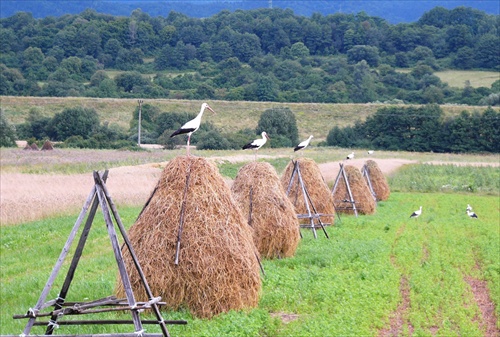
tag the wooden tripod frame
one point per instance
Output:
(99, 196)
(311, 215)
(348, 187)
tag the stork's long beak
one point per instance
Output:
(209, 108)
(267, 136)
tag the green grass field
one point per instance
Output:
(348, 285)
(458, 78)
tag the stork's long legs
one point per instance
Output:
(189, 142)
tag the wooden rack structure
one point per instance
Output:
(99, 196)
(348, 198)
(366, 175)
(312, 214)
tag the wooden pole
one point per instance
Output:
(74, 263)
(353, 202)
(58, 264)
(118, 255)
(136, 261)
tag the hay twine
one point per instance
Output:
(378, 180)
(365, 204)
(218, 270)
(316, 186)
(258, 192)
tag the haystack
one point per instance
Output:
(34, 147)
(217, 270)
(364, 202)
(316, 186)
(378, 181)
(47, 146)
(27, 147)
(258, 191)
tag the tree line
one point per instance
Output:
(392, 128)
(257, 55)
(422, 129)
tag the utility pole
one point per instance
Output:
(139, 124)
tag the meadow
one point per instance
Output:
(312, 118)
(378, 275)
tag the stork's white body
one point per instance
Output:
(471, 214)
(303, 144)
(257, 143)
(350, 155)
(192, 125)
(417, 213)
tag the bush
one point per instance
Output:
(7, 132)
(281, 126)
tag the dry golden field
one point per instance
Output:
(312, 118)
(37, 184)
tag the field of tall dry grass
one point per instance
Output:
(38, 184)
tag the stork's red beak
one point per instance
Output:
(209, 108)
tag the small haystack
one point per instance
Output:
(316, 187)
(258, 191)
(364, 201)
(377, 179)
(217, 269)
(47, 146)
(27, 147)
(35, 147)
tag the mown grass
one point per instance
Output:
(476, 78)
(446, 178)
(347, 285)
(312, 118)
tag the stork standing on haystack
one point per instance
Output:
(192, 125)
(257, 144)
(303, 145)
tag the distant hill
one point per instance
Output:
(394, 11)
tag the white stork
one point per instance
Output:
(469, 208)
(417, 213)
(192, 125)
(471, 214)
(350, 155)
(370, 151)
(303, 144)
(257, 143)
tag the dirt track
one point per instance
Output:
(27, 197)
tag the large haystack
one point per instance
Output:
(316, 186)
(218, 269)
(258, 191)
(378, 180)
(47, 146)
(364, 201)
(34, 147)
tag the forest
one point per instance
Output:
(256, 55)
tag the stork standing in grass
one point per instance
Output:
(303, 144)
(350, 156)
(192, 125)
(257, 143)
(471, 214)
(417, 213)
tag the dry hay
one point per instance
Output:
(364, 201)
(316, 186)
(258, 191)
(34, 147)
(218, 269)
(47, 146)
(378, 181)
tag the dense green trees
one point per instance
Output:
(263, 54)
(422, 129)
